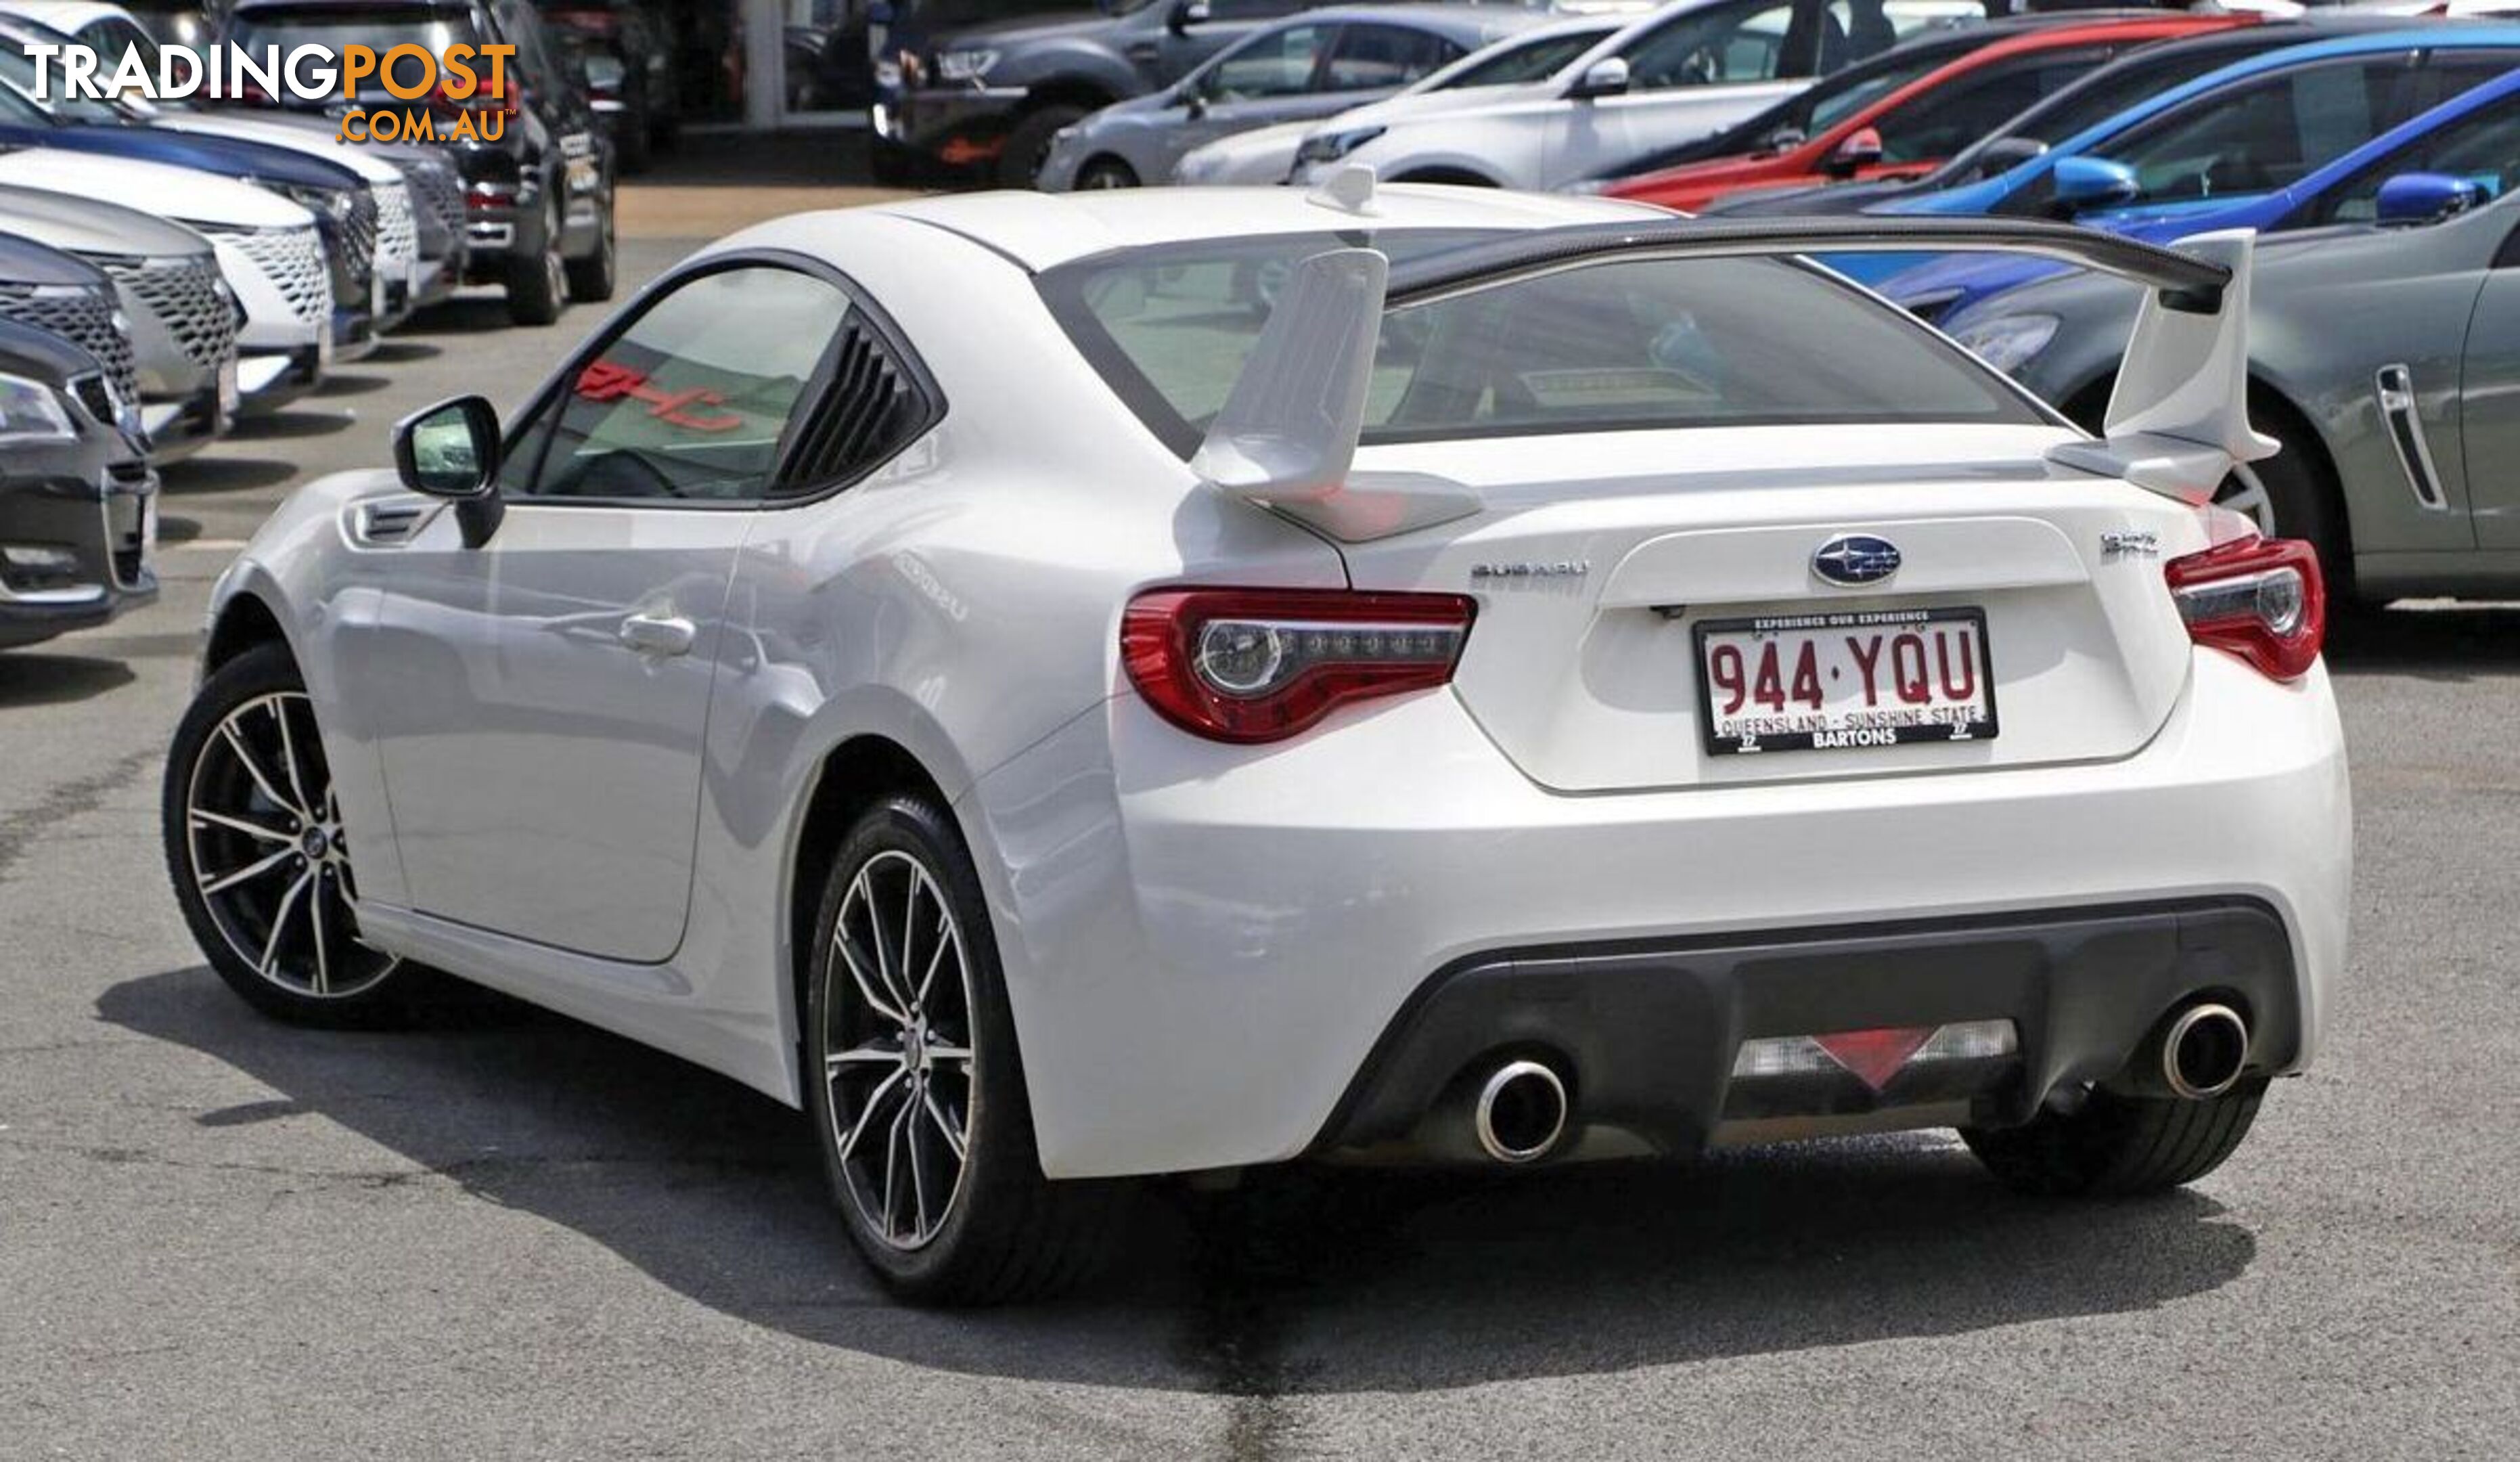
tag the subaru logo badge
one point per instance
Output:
(1851, 559)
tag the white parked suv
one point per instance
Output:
(1567, 682)
(268, 249)
(1683, 72)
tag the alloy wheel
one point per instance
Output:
(268, 858)
(898, 1050)
(555, 266)
(2244, 491)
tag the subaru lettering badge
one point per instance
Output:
(1851, 559)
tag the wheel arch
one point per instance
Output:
(243, 623)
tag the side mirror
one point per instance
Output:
(451, 450)
(1607, 77)
(1859, 150)
(2086, 183)
(1185, 14)
(2417, 198)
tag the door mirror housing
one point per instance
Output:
(2083, 184)
(449, 450)
(1607, 77)
(2417, 198)
(1185, 14)
(1859, 150)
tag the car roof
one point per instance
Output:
(1040, 231)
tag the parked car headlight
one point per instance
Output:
(1330, 147)
(323, 202)
(31, 411)
(964, 65)
(2008, 343)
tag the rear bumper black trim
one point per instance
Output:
(1650, 1028)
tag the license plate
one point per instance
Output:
(1843, 680)
(228, 395)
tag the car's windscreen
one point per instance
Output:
(17, 104)
(1511, 63)
(1631, 344)
(383, 26)
(2096, 99)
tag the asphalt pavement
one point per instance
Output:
(511, 1236)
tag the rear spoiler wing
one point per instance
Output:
(1286, 436)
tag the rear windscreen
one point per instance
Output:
(1635, 344)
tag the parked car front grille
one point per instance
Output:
(187, 296)
(438, 194)
(293, 259)
(96, 397)
(397, 237)
(83, 315)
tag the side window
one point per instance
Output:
(1278, 63)
(1951, 117)
(2272, 133)
(691, 402)
(2484, 147)
(1368, 57)
(1731, 43)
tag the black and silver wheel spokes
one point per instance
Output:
(898, 1037)
(2244, 491)
(268, 858)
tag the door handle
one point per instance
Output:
(659, 635)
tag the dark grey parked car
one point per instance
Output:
(2384, 353)
(1299, 69)
(78, 500)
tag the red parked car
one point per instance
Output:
(1909, 131)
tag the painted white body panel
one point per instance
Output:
(217, 207)
(1201, 940)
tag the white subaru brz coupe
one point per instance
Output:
(1070, 688)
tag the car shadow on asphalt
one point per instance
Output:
(1300, 1282)
(222, 475)
(39, 677)
(2436, 642)
(290, 426)
(466, 314)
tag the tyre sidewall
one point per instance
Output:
(1002, 1164)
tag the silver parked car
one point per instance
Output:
(1301, 68)
(2385, 355)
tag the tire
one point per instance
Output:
(1029, 142)
(592, 279)
(1106, 172)
(538, 284)
(256, 851)
(1001, 1232)
(2115, 1144)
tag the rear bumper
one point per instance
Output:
(1205, 946)
(1649, 1033)
(958, 125)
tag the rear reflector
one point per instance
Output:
(1876, 1056)
(2261, 599)
(1260, 665)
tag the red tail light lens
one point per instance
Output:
(1262, 664)
(2261, 599)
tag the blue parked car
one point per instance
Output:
(2251, 129)
(344, 210)
(1946, 286)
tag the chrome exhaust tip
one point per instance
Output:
(2203, 1051)
(1520, 1113)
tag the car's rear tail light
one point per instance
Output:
(1258, 665)
(2261, 599)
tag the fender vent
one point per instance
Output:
(870, 408)
(386, 522)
